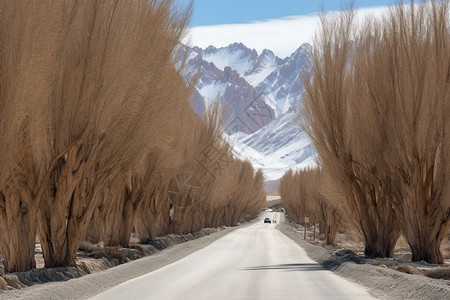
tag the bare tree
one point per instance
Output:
(295, 195)
(27, 65)
(108, 88)
(329, 215)
(405, 64)
(102, 126)
(380, 124)
(327, 117)
(304, 194)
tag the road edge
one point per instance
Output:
(381, 282)
(90, 285)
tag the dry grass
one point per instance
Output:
(408, 269)
(445, 249)
(108, 252)
(438, 273)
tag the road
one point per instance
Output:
(254, 262)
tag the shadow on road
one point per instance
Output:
(288, 267)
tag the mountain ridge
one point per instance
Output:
(261, 91)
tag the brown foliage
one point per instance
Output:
(121, 77)
(376, 109)
(22, 134)
(303, 195)
(416, 48)
(295, 196)
(350, 159)
(229, 189)
(95, 122)
(408, 269)
(438, 273)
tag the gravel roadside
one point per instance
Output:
(92, 284)
(382, 282)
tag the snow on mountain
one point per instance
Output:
(283, 87)
(280, 145)
(211, 90)
(247, 111)
(236, 56)
(267, 62)
(260, 91)
(277, 82)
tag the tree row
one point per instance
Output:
(98, 135)
(376, 107)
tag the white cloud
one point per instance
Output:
(282, 36)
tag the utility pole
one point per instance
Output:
(328, 234)
(306, 221)
(314, 233)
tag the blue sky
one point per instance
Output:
(214, 12)
(279, 25)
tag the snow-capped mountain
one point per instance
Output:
(283, 87)
(267, 63)
(260, 91)
(276, 81)
(276, 147)
(247, 111)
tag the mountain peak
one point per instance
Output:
(277, 81)
(302, 51)
(210, 49)
(267, 52)
(236, 56)
(256, 88)
(237, 45)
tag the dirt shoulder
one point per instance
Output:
(376, 274)
(381, 281)
(89, 285)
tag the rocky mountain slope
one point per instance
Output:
(276, 147)
(260, 91)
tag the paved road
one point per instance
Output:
(255, 262)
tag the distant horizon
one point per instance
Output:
(208, 13)
(276, 35)
(259, 52)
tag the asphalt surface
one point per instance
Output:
(254, 262)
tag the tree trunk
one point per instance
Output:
(381, 231)
(425, 222)
(379, 247)
(18, 214)
(424, 229)
(152, 217)
(376, 220)
(119, 219)
(425, 233)
(144, 224)
(322, 226)
(80, 213)
(96, 229)
(52, 217)
(65, 211)
(331, 234)
(426, 250)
